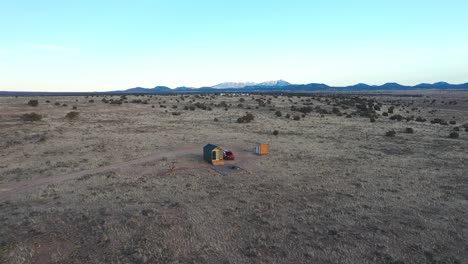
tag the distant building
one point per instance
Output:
(261, 149)
(213, 154)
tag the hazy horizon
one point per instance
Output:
(88, 46)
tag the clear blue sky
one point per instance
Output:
(92, 45)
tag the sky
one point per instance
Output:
(90, 45)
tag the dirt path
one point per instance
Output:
(7, 189)
(243, 158)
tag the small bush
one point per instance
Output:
(439, 121)
(246, 119)
(278, 113)
(91, 101)
(57, 103)
(64, 105)
(176, 113)
(453, 122)
(75, 107)
(372, 120)
(276, 132)
(409, 130)
(31, 117)
(390, 133)
(456, 129)
(385, 114)
(216, 119)
(420, 119)
(397, 117)
(72, 115)
(287, 116)
(454, 135)
(33, 103)
(297, 118)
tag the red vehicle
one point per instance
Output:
(228, 155)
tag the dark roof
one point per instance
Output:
(209, 147)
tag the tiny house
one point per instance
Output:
(261, 149)
(213, 154)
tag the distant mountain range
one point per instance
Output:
(236, 85)
(284, 86)
(270, 86)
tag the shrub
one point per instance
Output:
(31, 117)
(246, 119)
(420, 119)
(391, 109)
(47, 101)
(216, 119)
(409, 130)
(91, 101)
(456, 129)
(72, 115)
(439, 121)
(64, 105)
(75, 107)
(116, 102)
(453, 122)
(390, 133)
(33, 103)
(454, 135)
(349, 116)
(297, 118)
(278, 113)
(176, 113)
(57, 103)
(287, 116)
(372, 120)
(396, 117)
(276, 132)
(385, 114)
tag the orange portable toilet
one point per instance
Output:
(261, 149)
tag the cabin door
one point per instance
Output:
(215, 155)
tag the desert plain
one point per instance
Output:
(350, 178)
